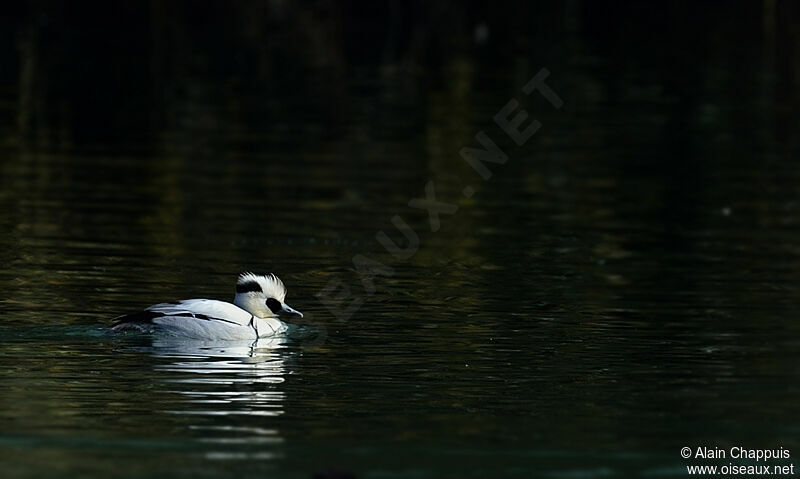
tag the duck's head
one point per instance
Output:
(262, 295)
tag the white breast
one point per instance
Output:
(211, 319)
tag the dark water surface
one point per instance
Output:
(624, 286)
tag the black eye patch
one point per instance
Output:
(274, 305)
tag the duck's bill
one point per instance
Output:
(286, 309)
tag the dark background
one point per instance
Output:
(136, 65)
(624, 286)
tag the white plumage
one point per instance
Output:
(254, 313)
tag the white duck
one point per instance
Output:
(253, 314)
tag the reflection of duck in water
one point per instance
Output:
(253, 314)
(239, 379)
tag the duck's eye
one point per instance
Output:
(274, 305)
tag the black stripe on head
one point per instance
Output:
(248, 287)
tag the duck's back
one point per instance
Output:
(199, 318)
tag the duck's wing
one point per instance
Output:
(191, 309)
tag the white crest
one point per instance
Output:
(269, 284)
